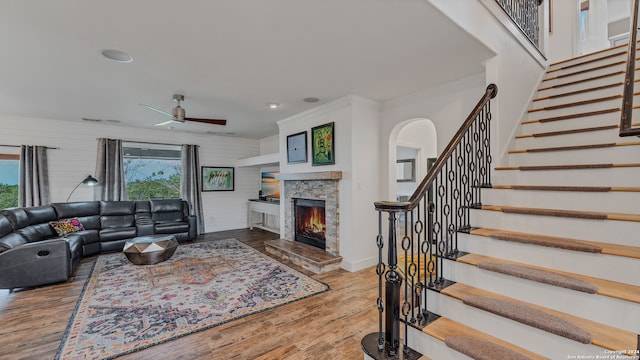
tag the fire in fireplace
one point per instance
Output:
(310, 224)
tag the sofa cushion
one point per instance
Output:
(5, 226)
(112, 234)
(170, 210)
(17, 217)
(117, 208)
(10, 241)
(38, 232)
(77, 209)
(117, 221)
(66, 226)
(171, 227)
(41, 214)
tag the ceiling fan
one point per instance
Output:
(178, 114)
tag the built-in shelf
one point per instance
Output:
(261, 160)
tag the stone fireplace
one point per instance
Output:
(311, 211)
(319, 186)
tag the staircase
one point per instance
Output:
(551, 266)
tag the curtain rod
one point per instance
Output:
(148, 142)
(17, 146)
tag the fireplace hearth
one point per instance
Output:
(310, 222)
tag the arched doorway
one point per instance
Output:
(413, 139)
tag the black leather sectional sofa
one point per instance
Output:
(33, 254)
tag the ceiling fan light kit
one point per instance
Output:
(178, 114)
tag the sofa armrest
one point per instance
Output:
(36, 263)
(193, 227)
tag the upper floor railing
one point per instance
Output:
(525, 14)
(626, 119)
(428, 225)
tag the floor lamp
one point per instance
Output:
(89, 181)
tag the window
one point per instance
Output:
(9, 174)
(152, 171)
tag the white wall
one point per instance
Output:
(515, 69)
(77, 157)
(356, 133)
(563, 41)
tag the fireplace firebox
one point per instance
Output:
(310, 224)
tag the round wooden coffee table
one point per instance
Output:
(151, 249)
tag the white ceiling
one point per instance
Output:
(228, 57)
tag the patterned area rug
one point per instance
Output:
(125, 308)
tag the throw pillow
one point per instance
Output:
(66, 226)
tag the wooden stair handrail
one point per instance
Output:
(394, 206)
(627, 100)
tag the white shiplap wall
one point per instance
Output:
(77, 156)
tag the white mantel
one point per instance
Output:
(322, 175)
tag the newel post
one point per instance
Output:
(392, 291)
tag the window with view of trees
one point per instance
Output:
(152, 172)
(9, 174)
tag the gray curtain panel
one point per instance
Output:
(110, 171)
(33, 187)
(190, 182)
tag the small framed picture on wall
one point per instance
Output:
(297, 148)
(217, 178)
(323, 145)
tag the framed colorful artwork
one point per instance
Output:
(323, 145)
(217, 178)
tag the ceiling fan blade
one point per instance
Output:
(168, 122)
(207, 121)
(157, 110)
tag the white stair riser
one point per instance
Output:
(583, 177)
(431, 347)
(590, 137)
(590, 57)
(527, 337)
(613, 201)
(603, 105)
(586, 64)
(610, 311)
(582, 75)
(611, 91)
(627, 154)
(606, 231)
(547, 90)
(612, 118)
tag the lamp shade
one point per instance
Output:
(89, 181)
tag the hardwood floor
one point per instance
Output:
(325, 326)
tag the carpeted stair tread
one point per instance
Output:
(573, 73)
(557, 67)
(543, 276)
(605, 287)
(592, 215)
(569, 132)
(566, 167)
(576, 103)
(567, 188)
(577, 92)
(529, 316)
(482, 350)
(549, 241)
(602, 335)
(572, 116)
(583, 80)
(573, 147)
(445, 328)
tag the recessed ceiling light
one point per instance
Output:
(116, 55)
(311, 99)
(273, 105)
